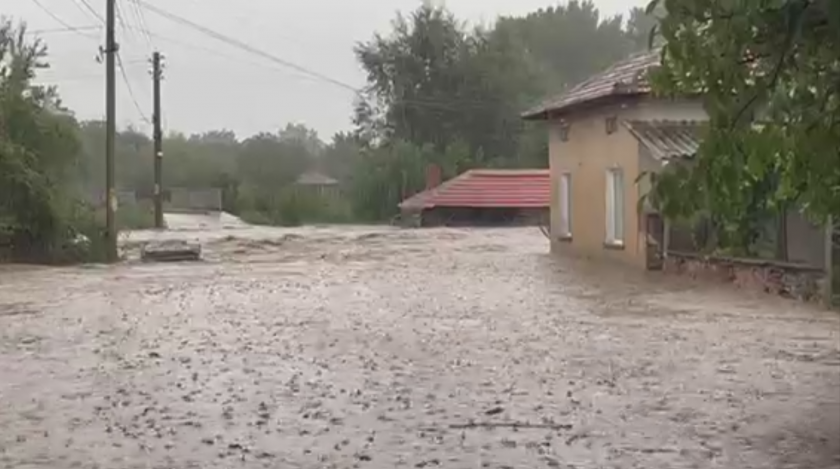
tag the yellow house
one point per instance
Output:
(604, 133)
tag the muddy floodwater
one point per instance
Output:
(359, 347)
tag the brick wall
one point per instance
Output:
(796, 281)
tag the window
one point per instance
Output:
(615, 207)
(565, 205)
(611, 124)
(563, 132)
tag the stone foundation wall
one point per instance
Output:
(796, 281)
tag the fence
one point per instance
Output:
(124, 197)
(792, 239)
(193, 200)
(791, 257)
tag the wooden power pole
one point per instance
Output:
(110, 133)
(829, 263)
(158, 138)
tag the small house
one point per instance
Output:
(605, 134)
(316, 184)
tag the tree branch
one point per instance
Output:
(792, 32)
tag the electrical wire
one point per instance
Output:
(130, 90)
(241, 45)
(90, 9)
(448, 105)
(64, 29)
(141, 21)
(217, 52)
(61, 21)
(119, 18)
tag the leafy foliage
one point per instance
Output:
(38, 149)
(446, 90)
(768, 72)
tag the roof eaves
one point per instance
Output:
(626, 77)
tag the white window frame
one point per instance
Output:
(565, 200)
(615, 194)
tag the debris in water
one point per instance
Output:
(170, 251)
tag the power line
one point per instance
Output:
(241, 45)
(120, 17)
(216, 52)
(448, 105)
(65, 29)
(429, 103)
(130, 91)
(141, 21)
(59, 20)
(90, 9)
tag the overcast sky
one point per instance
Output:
(212, 85)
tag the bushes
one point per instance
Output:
(139, 216)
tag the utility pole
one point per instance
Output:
(158, 138)
(110, 132)
(828, 293)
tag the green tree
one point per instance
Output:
(387, 175)
(416, 78)
(38, 149)
(341, 157)
(304, 136)
(268, 162)
(641, 26)
(570, 42)
(439, 92)
(767, 71)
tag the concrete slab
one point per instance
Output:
(170, 251)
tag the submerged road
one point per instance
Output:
(380, 348)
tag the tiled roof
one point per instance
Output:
(486, 188)
(626, 77)
(315, 179)
(667, 139)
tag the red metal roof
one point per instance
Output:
(487, 188)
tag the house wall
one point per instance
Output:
(587, 155)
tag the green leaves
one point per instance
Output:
(38, 147)
(441, 93)
(433, 81)
(768, 74)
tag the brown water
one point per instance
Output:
(380, 348)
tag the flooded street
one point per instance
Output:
(382, 348)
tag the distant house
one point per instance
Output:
(603, 134)
(481, 197)
(315, 183)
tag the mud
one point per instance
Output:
(380, 348)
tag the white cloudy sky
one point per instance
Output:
(212, 85)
